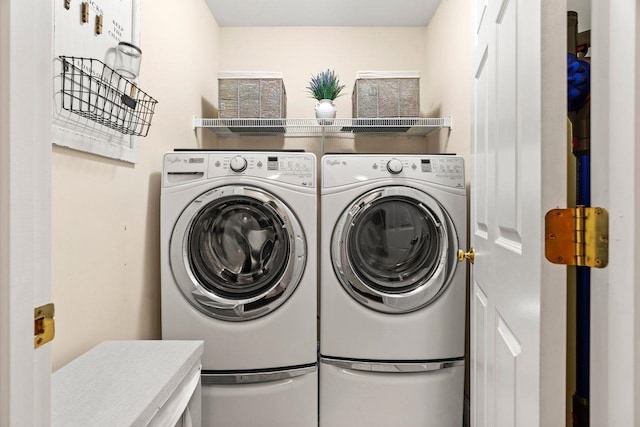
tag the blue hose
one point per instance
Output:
(583, 285)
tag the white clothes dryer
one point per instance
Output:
(392, 291)
(238, 271)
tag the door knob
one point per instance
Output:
(471, 255)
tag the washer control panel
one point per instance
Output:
(290, 167)
(340, 169)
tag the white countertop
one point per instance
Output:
(121, 383)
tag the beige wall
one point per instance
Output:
(441, 52)
(106, 282)
(446, 81)
(106, 279)
(299, 52)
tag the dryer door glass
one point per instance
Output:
(394, 249)
(237, 252)
(238, 247)
(395, 244)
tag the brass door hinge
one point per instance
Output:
(578, 236)
(43, 325)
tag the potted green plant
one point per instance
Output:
(325, 87)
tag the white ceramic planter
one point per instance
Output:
(325, 111)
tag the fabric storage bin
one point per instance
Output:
(384, 94)
(251, 95)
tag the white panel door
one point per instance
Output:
(25, 208)
(518, 299)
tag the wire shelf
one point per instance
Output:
(311, 127)
(93, 90)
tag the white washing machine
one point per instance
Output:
(238, 271)
(392, 291)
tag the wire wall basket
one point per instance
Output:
(95, 91)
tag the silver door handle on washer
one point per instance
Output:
(206, 301)
(255, 377)
(389, 367)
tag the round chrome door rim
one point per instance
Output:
(387, 302)
(240, 309)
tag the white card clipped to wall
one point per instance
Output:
(95, 109)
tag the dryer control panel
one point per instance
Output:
(340, 170)
(290, 167)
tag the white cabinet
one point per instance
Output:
(130, 383)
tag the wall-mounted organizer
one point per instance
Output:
(95, 91)
(310, 127)
(337, 128)
(95, 110)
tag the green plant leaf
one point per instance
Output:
(325, 85)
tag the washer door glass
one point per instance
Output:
(237, 252)
(394, 249)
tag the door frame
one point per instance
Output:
(615, 172)
(25, 208)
